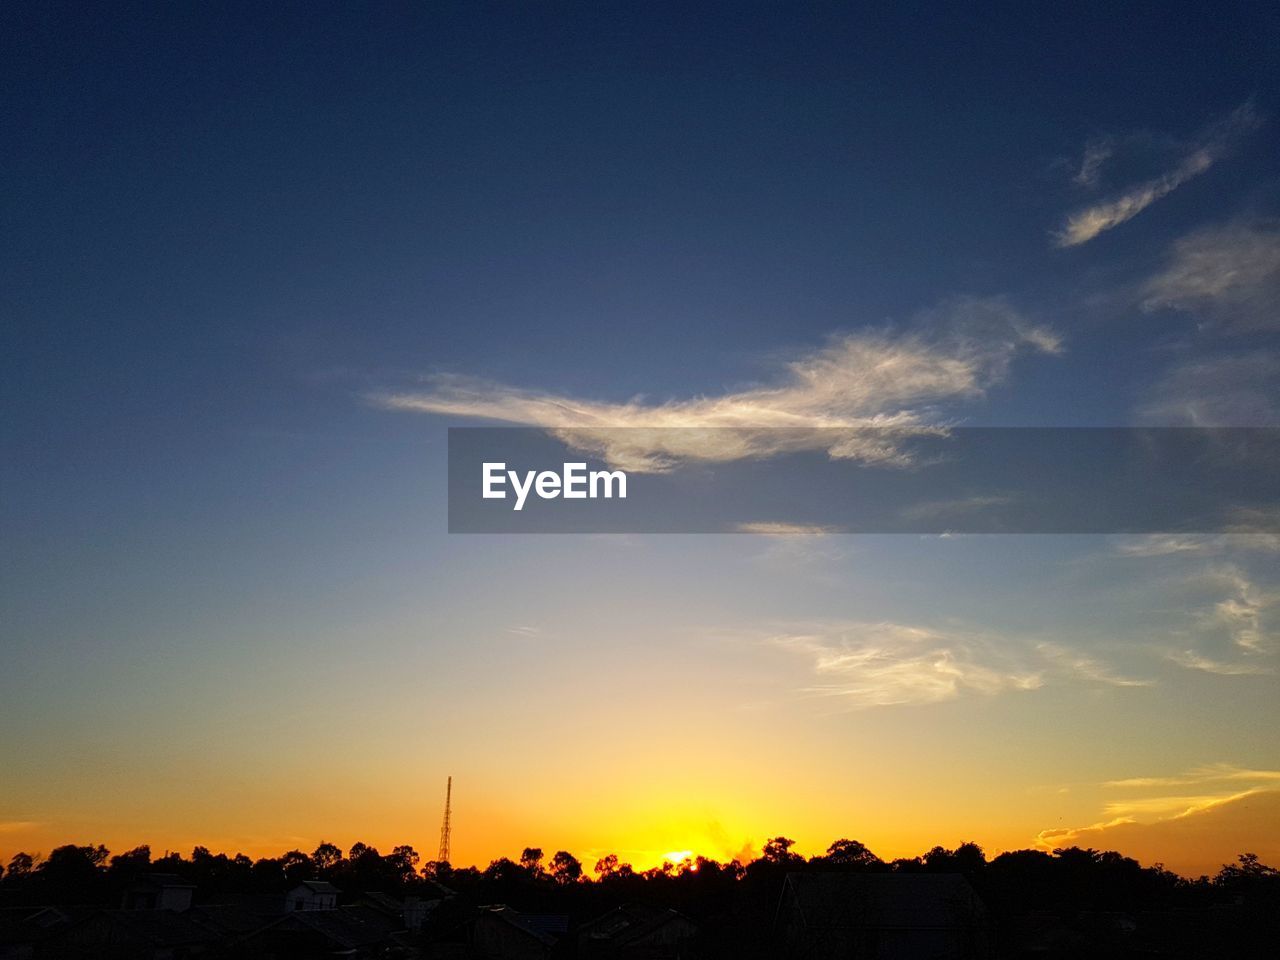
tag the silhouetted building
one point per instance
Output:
(881, 916)
(636, 931)
(311, 895)
(500, 933)
(357, 931)
(155, 934)
(24, 930)
(158, 891)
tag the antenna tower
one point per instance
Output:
(443, 855)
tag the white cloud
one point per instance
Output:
(1177, 806)
(879, 664)
(1231, 624)
(1227, 275)
(1239, 614)
(1195, 661)
(1211, 146)
(1072, 662)
(775, 529)
(1209, 773)
(883, 664)
(873, 388)
(1191, 544)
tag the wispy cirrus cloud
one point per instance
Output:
(1074, 663)
(1228, 610)
(960, 506)
(1231, 624)
(1212, 145)
(1209, 773)
(1196, 661)
(878, 664)
(1227, 275)
(886, 664)
(866, 385)
(769, 528)
(1195, 545)
(1193, 834)
(1239, 615)
(1226, 390)
(1227, 808)
(1096, 153)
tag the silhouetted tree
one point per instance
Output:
(967, 858)
(297, 866)
(778, 850)
(503, 870)
(850, 855)
(326, 856)
(531, 860)
(606, 866)
(565, 867)
(1235, 914)
(1246, 870)
(402, 862)
(437, 870)
(21, 865)
(358, 850)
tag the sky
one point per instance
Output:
(256, 261)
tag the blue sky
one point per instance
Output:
(229, 232)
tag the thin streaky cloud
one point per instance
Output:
(1195, 661)
(873, 387)
(1227, 276)
(1096, 153)
(1195, 545)
(1175, 806)
(778, 529)
(1213, 145)
(961, 506)
(1245, 817)
(1078, 664)
(879, 664)
(1221, 785)
(529, 633)
(1240, 614)
(1210, 773)
(1237, 389)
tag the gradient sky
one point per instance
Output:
(230, 614)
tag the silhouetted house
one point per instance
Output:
(500, 933)
(236, 919)
(24, 929)
(636, 931)
(411, 912)
(357, 931)
(311, 895)
(881, 916)
(133, 935)
(158, 891)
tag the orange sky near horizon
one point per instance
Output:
(1190, 843)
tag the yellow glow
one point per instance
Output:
(675, 856)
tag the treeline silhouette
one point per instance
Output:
(735, 903)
